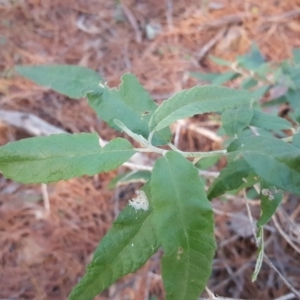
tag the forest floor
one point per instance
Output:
(48, 233)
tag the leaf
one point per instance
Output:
(296, 115)
(247, 132)
(209, 77)
(274, 102)
(264, 69)
(216, 78)
(291, 75)
(253, 60)
(72, 81)
(295, 75)
(197, 100)
(296, 140)
(207, 162)
(236, 175)
(220, 61)
(235, 120)
(276, 162)
(270, 199)
(296, 55)
(131, 104)
(269, 122)
(130, 177)
(260, 256)
(248, 83)
(260, 92)
(61, 156)
(183, 220)
(293, 96)
(125, 248)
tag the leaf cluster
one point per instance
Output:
(179, 218)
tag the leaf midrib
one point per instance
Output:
(187, 106)
(35, 158)
(183, 223)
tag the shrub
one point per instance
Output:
(172, 209)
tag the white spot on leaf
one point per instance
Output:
(271, 197)
(270, 193)
(265, 192)
(140, 202)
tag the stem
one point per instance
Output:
(198, 155)
(150, 137)
(150, 148)
(204, 154)
(135, 136)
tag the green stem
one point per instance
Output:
(150, 148)
(198, 154)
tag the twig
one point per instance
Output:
(88, 29)
(177, 135)
(285, 236)
(230, 19)
(29, 122)
(202, 53)
(132, 20)
(45, 198)
(289, 296)
(271, 265)
(212, 296)
(285, 15)
(169, 13)
(134, 166)
(239, 271)
(202, 131)
(250, 218)
(266, 259)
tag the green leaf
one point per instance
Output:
(235, 120)
(291, 75)
(295, 75)
(296, 55)
(253, 60)
(264, 69)
(248, 83)
(125, 248)
(131, 104)
(216, 78)
(260, 92)
(207, 162)
(209, 77)
(276, 162)
(129, 177)
(72, 81)
(197, 100)
(293, 97)
(270, 199)
(220, 61)
(183, 220)
(274, 102)
(269, 122)
(260, 255)
(61, 156)
(295, 115)
(236, 175)
(296, 140)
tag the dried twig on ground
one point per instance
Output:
(29, 122)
